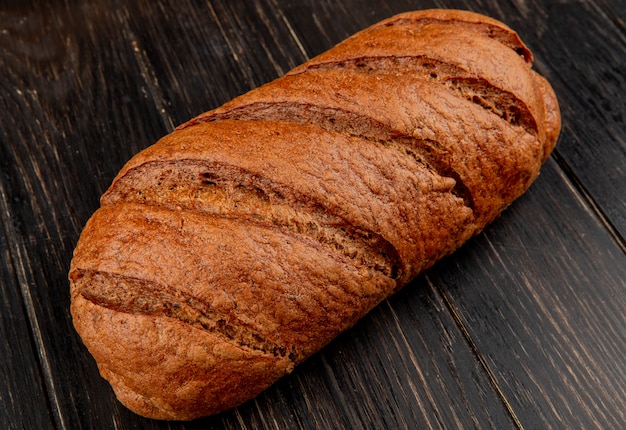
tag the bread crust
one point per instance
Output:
(255, 233)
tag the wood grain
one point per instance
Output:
(20, 374)
(524, 327)
(66, 94)
(549, 323)
(587, 75)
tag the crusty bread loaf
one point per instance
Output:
(247, 239)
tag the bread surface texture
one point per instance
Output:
(252, 235)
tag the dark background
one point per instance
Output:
(524, 327)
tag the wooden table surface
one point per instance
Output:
(523, 327)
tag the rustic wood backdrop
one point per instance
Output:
(524, 327)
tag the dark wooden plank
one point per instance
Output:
(21, 381)
(588, 75)
(202, 54)
(88, 86)
(69, 103)
(24, 395)
(541, 295)
(613, 10)
(319, 25)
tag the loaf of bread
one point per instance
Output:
(252, 235)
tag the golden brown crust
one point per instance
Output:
(165, 369)
(552, 118)
(244, 282)
(247, 239)
(435, 50)
(369, 187)
(467, 21)
(406, 113)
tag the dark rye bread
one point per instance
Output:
(247, 239)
